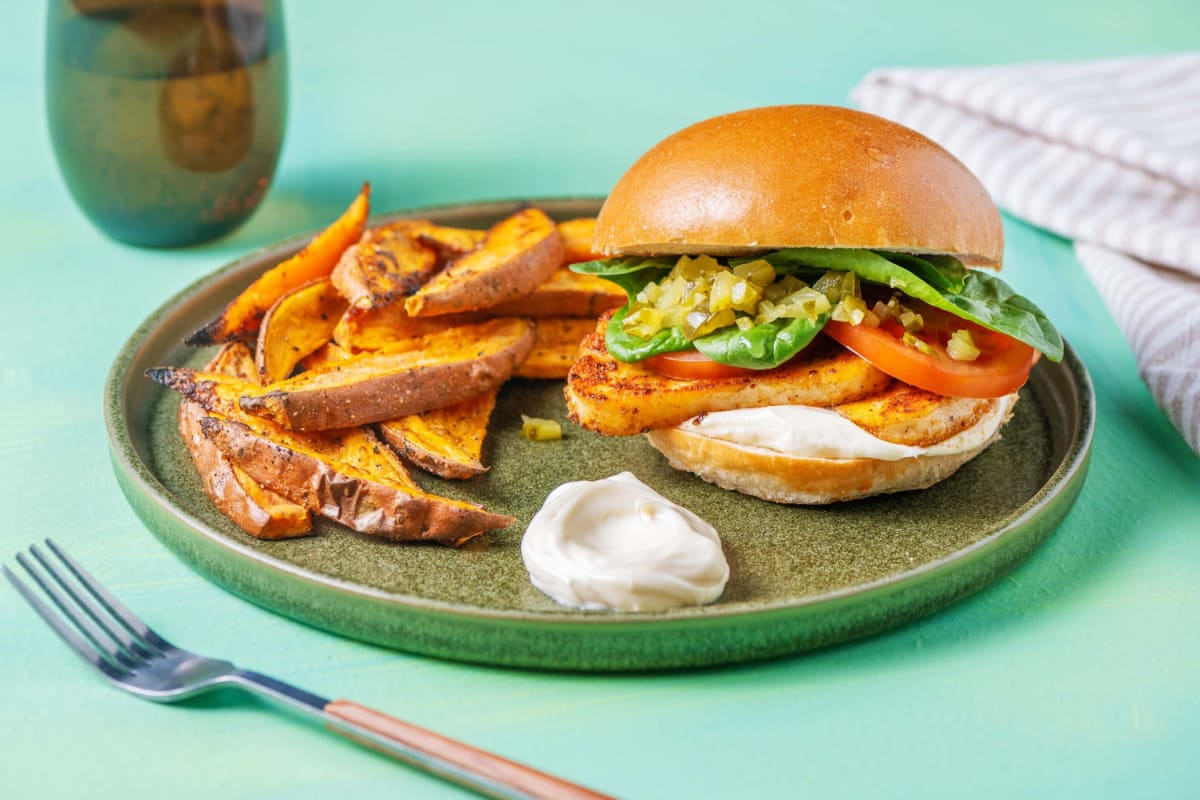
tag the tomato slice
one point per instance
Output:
(1002, 366)
(692, 365)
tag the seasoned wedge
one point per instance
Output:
(342, 492)
(617, 399)
(445, 441)
(564, 294)
(519, 253)
(555, 347)
(449, 243)
(218, 395)
(445, 368)
(377, 328)
(256, 510)
(241, 318)
(346, 475)
(385, 266)
(577, 239)
(300, 322)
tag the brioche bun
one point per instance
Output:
(783, 478)
(799, 176)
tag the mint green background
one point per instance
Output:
(1076, 676)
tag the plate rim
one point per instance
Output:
(1067, 475)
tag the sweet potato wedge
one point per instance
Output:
(564, 294)
(218, 395)
(300, 322)
(555, 347)
(445, 441)
(241, 318)
(577, 239)
(446, 368)
(342, 492)
(386, 265)
(256, 510)
(449, 242)
(377, 328)
(519, 253)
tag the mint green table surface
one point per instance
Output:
(1075, 676)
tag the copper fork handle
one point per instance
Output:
(480, 770)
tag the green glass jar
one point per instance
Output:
(167, 116)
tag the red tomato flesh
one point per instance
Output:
(692, 365)
(1002, 366)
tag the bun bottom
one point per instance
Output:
(795, 480)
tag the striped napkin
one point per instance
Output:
(1106, 153)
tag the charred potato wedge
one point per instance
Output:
(300, 322)
(555, 347)
(256, 510)
(386, 265)
(241, 318)
(577, 239)
(564, 294)
(446, 368)
(519, 253)
(389, 326)
(344, 493)
(445, 441)
(449, 243)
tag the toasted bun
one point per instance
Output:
(799, 176)
(782, 478)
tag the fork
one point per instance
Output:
(125, 650)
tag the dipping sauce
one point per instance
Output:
(616, 544)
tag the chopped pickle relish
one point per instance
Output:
(700, 296)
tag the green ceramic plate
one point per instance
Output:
(801, 577)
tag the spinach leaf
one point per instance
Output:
(761, 347)
(629, 348)
(631, 274)
(940, 281)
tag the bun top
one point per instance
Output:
(799, 176)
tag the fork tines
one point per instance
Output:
(113, 639)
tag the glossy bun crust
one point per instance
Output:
(799, 176)
(781, 478)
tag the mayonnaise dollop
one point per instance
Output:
(618, 544)
(808, 432)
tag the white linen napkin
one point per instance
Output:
(1106, 153)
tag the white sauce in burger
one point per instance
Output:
(808, 432)
(618, 544)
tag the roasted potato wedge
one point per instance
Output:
(386, 265)
(519, 253)
(300, 322)
(555, 347)
(256, 510)
(449, 243)
(577, 239)
(378, 328)
(342, 492)
(446, 368)
(564, 294)
(445, 441)
(616, 399)
(241, 318)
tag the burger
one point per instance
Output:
(812, 315)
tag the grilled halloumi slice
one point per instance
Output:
(904, 414)
(617, 399)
